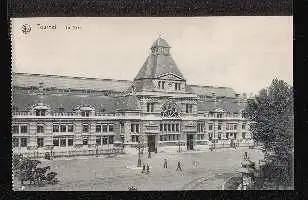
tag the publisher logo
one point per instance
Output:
(26, 28)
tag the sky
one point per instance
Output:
(244, 53)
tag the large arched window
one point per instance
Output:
(170, 109)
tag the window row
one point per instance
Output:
(102, 140)
(231, 126)
(200, 127)
(134, 128)
(135, 138)
(20, 129)
(19, 142)
(104, 128)
(62, 128)
(63, 141)
(177, 86)
(150, 107)
(169, 127)
(189, 108)
(200, 137)
(161, 84)
(169, 137)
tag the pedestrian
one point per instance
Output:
(149, 156)
(148, 168)
(143, 169)
(165, 164)
(179, 167)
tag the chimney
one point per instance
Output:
(213, 95)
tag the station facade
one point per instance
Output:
(158, 109)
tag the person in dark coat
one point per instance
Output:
(179, 167)
(165, 164)
(148, 168)
(149, 156)
(143, 169)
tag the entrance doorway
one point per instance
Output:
(151, 143)
(190, 142)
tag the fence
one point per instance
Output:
(72, 153)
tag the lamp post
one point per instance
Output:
(139, 147)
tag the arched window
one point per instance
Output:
(170, 109)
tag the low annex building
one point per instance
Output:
(158, 109)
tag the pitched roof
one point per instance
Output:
(219, 91)
(228, 105)
(66, 82)
(158, 63)
(67, 102)
(129, 102)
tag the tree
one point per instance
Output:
(272, 116)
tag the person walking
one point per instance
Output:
(165, 163)
(149, 155)
(143, 169)
(179, 167)
(148, 168)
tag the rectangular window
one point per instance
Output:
(161, 138)
(85, 140)
(70, 142)
(210, 126)
(110, 127)
(63, 128)
(133, 138)
(55, 128)
(85, 128)
(161, 127)
(40, 129)
(111, 139)
(137, 128)
(219, 136)
(243, 135)
(235, 126)
(105, 128)
(188, 108)
(63, 142)
(227, 135)
(219, 115)
(104, 140)
(23, 142)
(132, 128)
(177, 137)
(148, 107)
(40, 142)
(122, 127)
(152, 107)
(163, 85)
(177, 127)
(15, 142)
(98, 128)
(24, 129)
(173, 127)
(56, 142)
(169, 127)
(70, 128)
(159, 84)
(15, 129)
(243, 126)
(165, 127)
(219, 126)
(98, 140)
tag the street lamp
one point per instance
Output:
(139, 147)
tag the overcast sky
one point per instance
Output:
(244, 53)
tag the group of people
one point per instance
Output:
(179, 167)
(146, 169)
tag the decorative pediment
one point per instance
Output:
(170, 76)
(219, 110)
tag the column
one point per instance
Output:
(33, 138)
(78, 136)
(92, 138)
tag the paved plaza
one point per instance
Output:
(201, 171)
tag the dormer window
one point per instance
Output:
(40, 109)
(85, 113)
(40, 112)
(177, 86)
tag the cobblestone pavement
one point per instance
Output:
(201, 171)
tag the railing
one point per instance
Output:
(57, 114)
(72, 153)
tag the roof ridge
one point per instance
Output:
(71, 77)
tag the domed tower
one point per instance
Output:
(160, 72)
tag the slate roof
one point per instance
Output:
(68, 102)
(160, 42)
(128, 103)
(219, 91)
(66, 82)
(228, 105)
(156, 65)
